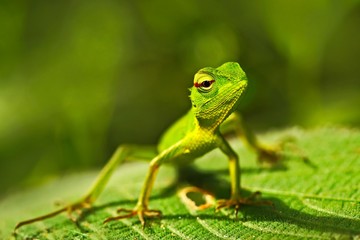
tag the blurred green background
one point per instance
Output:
(77, 78)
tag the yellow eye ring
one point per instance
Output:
(204, 85)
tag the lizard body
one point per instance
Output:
(215, 95)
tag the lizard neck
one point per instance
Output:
(207, 124)
(212, 120)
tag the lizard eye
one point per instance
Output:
(204, 83)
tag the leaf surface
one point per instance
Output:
(315, 200)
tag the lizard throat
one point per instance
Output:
(211, 115)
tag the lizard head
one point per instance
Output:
(216, 93)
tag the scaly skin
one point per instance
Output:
(214, 96)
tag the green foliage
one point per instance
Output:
(319, 199)
(78, 78)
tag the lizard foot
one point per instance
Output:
(76, 207)
(142, 212)
(238, 202)
(275, 153)
(269, 154)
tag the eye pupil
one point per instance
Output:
(206, 84)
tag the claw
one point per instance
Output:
(141, 212)
(272, 154)
(20, 224)
(237, 202)
(109, 219)
(77, 207)
(124, 210)
(267, 154)
(152, 213)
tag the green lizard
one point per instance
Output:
(214, 96)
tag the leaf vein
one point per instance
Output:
(128, 223)
(273, 231)
(177, 232)
(210, 229)
(312, 206)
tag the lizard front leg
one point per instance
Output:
(234, 169)
(270, 154)
(141, 209)
(122, 153)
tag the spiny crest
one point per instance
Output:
(232, 70)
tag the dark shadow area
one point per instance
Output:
(213, 181)
(283, 213)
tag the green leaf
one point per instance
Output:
(319, 199)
